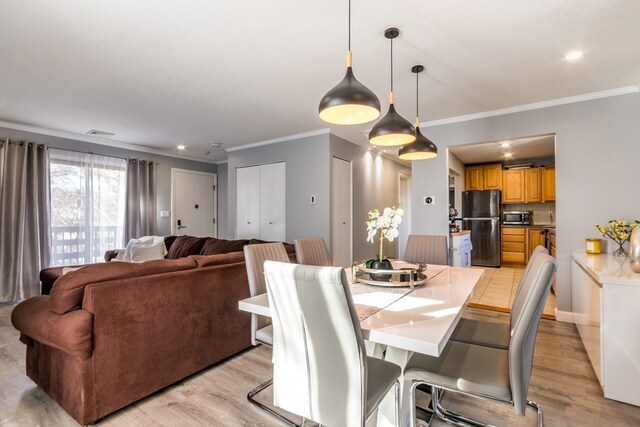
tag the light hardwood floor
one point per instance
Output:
(497, 289)
(563, 382)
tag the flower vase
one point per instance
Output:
(620, 252)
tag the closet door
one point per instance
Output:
(248, 203)
(272, 202)
(341, 229)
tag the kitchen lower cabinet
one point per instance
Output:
(605, 297)
(535, 238)
(514, 245)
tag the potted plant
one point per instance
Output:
(387, 224)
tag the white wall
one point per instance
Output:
(458, 167)
(597, 168)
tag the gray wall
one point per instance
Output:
(164, 169)
(307, 173)
(597, 168)
(223, 196)
(375, 185)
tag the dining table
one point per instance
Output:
(399, 321)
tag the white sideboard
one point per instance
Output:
(606, 311)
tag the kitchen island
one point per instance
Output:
(606, 311)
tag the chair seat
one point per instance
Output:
(465, 367)
(381, 377)
(265, 335)
(482, 332)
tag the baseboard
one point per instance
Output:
(564, 316)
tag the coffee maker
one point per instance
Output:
(453, 227)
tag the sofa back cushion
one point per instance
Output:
(291, 249)
(183, 246)
(218, 259)
(68, 291)
(215, 246)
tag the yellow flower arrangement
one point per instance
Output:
(619, 231)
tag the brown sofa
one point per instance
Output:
(112, 333)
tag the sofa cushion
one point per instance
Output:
(141, 253)
(218, 259)
(215, 246)
(184, 246)
(71, 333)
(68, 291)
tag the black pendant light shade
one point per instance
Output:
(423, 148)
(392, 129)
(349, 102)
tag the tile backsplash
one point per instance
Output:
(540, 211)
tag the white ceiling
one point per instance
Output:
(162, 73)
(521, 149)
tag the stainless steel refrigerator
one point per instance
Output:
(481, 216)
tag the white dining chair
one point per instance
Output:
(312, 251)
(321, 371)
(427, 249)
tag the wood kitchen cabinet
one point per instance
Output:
(483, 177)
(533, 185)
(514, 245)
(535, 237)
(549, 184)
(513, 186)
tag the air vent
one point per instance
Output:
(95, 132)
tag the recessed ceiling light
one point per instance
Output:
(508, 155)
(505, 144)
(573, 55)
(181, 147)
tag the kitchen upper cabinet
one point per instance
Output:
(492, 175)
(513, 186)
(473, 178)
(549, 184)
(483, 177)
(533, 185)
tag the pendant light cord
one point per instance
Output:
(417, 111)
(391, 65)
(349, 25)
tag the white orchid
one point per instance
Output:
(387, 223)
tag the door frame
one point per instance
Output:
(174, 230)
(404, 180)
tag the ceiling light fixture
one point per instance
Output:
(392, 129)
(573, 55)
(508, 155)
(505, 144)
(181, 147)
(422, 148)
(349, 102)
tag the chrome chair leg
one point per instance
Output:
(255, 391)
(451, 417)
(538, 409)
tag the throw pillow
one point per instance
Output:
(215, 246)
(132, 242)
(141, 253)
(184, 246)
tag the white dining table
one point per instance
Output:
(402, 321)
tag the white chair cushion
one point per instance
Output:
(482, 332)
(381, 377)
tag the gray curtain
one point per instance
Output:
(140, 209)
(24, 218)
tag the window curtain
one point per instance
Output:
(140, 217)
(24, 218)
(87, 206)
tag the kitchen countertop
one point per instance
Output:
(607, 268)
(460, 233)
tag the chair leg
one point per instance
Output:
(255, 391)
(397, 386)
(451, 417)
(538, 409)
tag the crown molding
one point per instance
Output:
(96, 140)
(535, 106)
(222, 162)
(281, 139)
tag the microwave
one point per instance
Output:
(516, 218)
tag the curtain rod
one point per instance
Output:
(105, 155)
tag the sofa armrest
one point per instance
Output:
(71, 332)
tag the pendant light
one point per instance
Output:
(392, 129)
(349, 102)
(422, 148)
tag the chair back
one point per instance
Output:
(518, 299)
(427, 249)
(535, 289)
(320, 364)
(255, 256)
(312, 251)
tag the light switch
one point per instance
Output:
(165, 214)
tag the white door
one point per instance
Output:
(341, 232)
(404, 198)
(193, 203)
(248, 203)
(272, 202)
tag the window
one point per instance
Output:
(87, 206)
